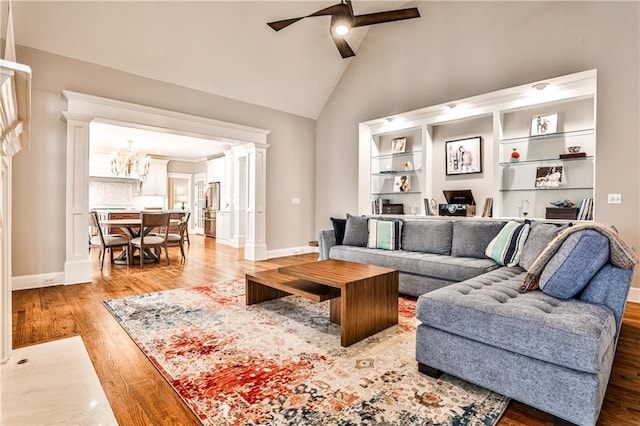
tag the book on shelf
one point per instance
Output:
(585, 212)
(377, 205)
(487, 211)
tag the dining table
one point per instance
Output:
(132, 228)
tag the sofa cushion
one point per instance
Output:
(577, 260)
(471, 237)
(540, 235)
(425, 264)
(384, 234)
(427, 236)
(491, 309)
(355, 231)
(338, 229)
(608, 288)
(506, 247)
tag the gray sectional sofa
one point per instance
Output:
(551, 348)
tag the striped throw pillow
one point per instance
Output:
(506, 247)
(384, 234)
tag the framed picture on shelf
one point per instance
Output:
(464, 156)
(548, 177)
(398, 145)
(544, 124)
(401, 184)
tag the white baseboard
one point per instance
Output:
(291, 251)
(25, 282)
(634, 295)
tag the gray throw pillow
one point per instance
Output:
(578, 259)
(540, 236)
(356, 231)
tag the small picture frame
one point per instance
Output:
(544, 124)
(401, 184)
(548, 177)
(463, 156)
(398, 145)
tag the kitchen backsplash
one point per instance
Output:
(113, 193)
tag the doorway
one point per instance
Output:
(83, 109)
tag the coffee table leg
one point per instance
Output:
(335, 305)
(256, 292)
(367, 307)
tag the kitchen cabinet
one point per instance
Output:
(156, 182)
(100, 165)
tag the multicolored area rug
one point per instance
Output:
(281, 363)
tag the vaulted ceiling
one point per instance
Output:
(220, 47)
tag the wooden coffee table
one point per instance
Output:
(363, 298)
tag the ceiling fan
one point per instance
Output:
(343, 19)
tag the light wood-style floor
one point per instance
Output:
(139, 395)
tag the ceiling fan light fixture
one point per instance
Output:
(342, 29)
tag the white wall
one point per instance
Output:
(39, 173)
(462, 49)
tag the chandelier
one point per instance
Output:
(129, 163)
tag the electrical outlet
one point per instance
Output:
(48, 280)
(614, 199)
(295, 201)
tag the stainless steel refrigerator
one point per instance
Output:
(212, 205)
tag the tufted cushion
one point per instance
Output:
(384, 234)
(355, 231)
(471, 237)
(427, 236)
(578, 260)
(491, 309)
(339, 226)
(539, 237)
(506, 247)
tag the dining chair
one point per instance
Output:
(177, 239)
(186, 228)
(146, 240)
(104, 242)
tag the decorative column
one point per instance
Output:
(77, 267)
(5, 258)
(256, 246)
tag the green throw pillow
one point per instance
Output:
(384, 234)
(506, 247)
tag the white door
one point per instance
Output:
(200, 183)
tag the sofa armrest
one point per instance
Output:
(326, 240)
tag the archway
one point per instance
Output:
(82, 109)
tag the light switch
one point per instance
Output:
(614, 199)
(295, 201)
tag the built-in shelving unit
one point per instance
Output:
(397, 177)
(503, 119)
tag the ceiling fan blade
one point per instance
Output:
(382, 17)
(331, 10)
(342, 45)
(278, 25)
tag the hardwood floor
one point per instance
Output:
(139, 395)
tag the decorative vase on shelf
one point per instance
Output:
(515, 155)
